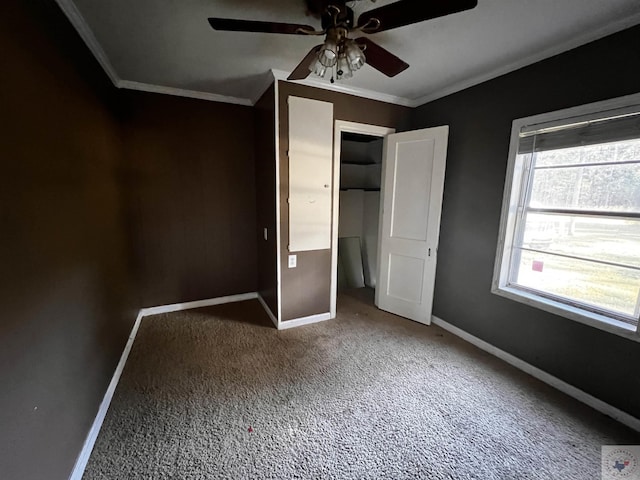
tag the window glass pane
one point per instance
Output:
(610, 288)
(614, 240)
(627, 151)
(601, 188)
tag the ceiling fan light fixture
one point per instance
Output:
(355, 55)
(328, 54)
(343, 68)
(318, 68)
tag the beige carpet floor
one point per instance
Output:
(219, 393)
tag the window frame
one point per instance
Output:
(515, 181)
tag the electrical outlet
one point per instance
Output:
(293, 261)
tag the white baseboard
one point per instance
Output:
(297, 322)
(268, 310)
(584, 397)
(176, 307)
(87, 448)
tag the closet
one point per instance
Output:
(360, 179)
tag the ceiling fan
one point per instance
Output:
(340, 52)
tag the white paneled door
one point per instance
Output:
(413, 182)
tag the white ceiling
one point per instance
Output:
(168, 45)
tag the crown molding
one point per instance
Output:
(82, 27)
(80, 24)
(575, 42)
(349, 90)
(179, 92)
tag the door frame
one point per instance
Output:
(350, 127)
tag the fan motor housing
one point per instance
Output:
(343, 18)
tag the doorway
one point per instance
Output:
(359, 211)
(358, 152)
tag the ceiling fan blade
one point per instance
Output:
(232, 25)
(406, 12)
(302, 70)
(382, 60)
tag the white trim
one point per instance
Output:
(346, 89)
(298, 322)
(278, 233)
(82, 27)
(176, 307)
(507, 221)
(268, 310)
(86, 33)
(590, 400)
(179, 92)
(589, 36)
(339, 127)
(87, 448)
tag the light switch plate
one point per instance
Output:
(293, 261)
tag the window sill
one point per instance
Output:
(573, 313)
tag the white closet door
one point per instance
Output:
(310, 174)
(414, 165)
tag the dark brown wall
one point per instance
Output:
(480, 125)
(191, 165)
(306, 288)
(65, 313)
(265, 131)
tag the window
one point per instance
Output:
(570, 232)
